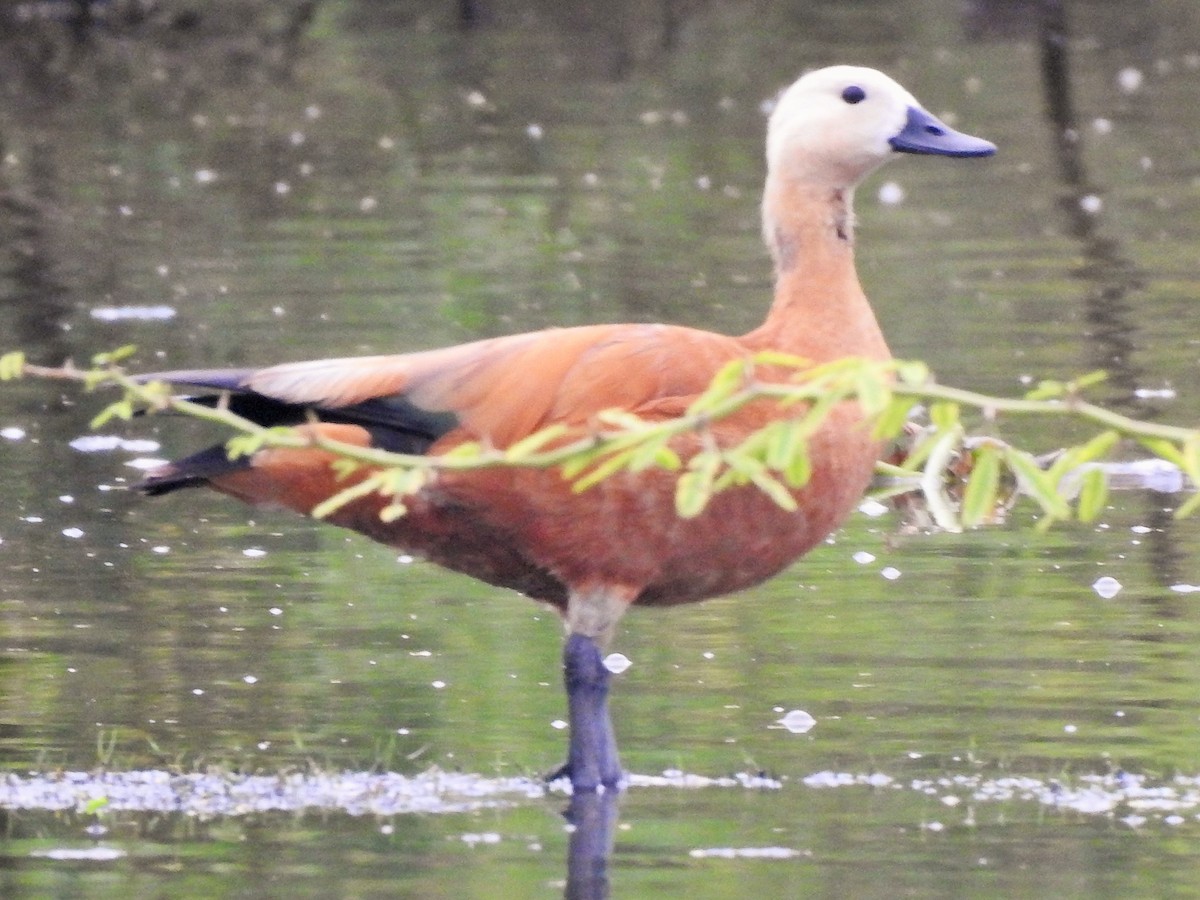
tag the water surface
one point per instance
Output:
(219, 195)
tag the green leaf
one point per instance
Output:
(1037, 483)
(1163, 449)
(891, 421)
(730, 378)
(605, 468)
(355, 492)
(527, 446)
(1188, 507)
(787, 453)
(1086, 381)
(1047, 390)
(779, 358)
(979, 498)
(94, 805)
(12, 365)
(122, 409)
(694, 488)
(874, 392)
(1097, 448)
(1191, 459)
(103, 360)
(775, 490)
(944, 415)
(912, 372)
(1093, 494)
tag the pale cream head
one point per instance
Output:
(816, 136)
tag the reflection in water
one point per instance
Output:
(1113, 276)
(593, 818)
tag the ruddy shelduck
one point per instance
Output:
(595, 553)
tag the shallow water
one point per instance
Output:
(396, 182)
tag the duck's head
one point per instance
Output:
(835, 125)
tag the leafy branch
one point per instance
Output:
(963, 478)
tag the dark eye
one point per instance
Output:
(854, 94)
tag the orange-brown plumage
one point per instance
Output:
(594, 553)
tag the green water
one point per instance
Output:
(393, 182)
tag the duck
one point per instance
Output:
(593, 554)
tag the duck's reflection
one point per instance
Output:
(593, 818)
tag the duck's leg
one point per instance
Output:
(592, 759)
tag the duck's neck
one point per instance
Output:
(819, 311)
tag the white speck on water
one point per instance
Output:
(125, 210)
(275, 611)
(404, 559)
(250, 679)
(104, 443)
(368, 204)
(72, 532)
(420, 653)
(142, 463)
(1129, 80)
(438, 684)
(312, 112)
(708, 654)
(32, 520)
(534, 131)
(254, 552)
(744, 853)
(403, 731)
(12, 433)
(263, 745)
(488, 837)
(1102, 126)
(199, 692)
(282, 187)
(1091, 204)
(1070, 729)
(297, 138)
(891, 573)
(951, 800)
(798, 721)
(1141, 529)
(872, 508)
(1107, 587)
(891, 194)
(387, 143)
(862, 557)
(617, 663)
(1185, 588)
(1120, 714)
(87, 854)
(136, 313)
(66, 498)
(933, 826)
(161, 548)
(387, 829)
(1164, 393)
(205, 176)
(558, 724)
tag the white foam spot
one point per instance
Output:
(798, 721)
(617, 663)
(143, 313)
(1107, 587)
(891, 193)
